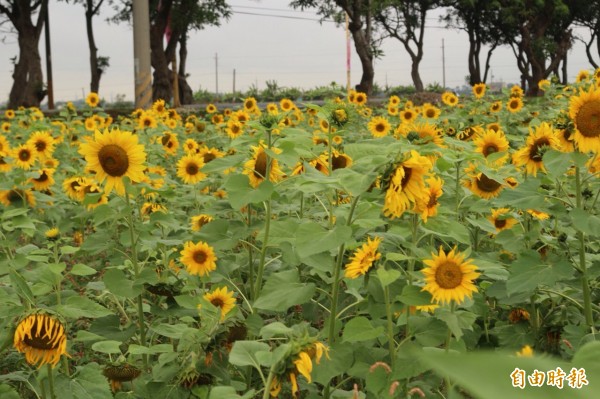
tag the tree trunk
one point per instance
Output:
(94, 69)
(366, 60)
(416, 76)
(162, 86)
(28, 80)
(186, 94)
(474, 68)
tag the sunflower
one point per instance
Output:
(272, 109)
(286, 104)
(250, 105)
(408, 115)
(582, 76)
(9, 114)
(514, 104)
(394, 101)
(25, 156)
(222, 299)
(4, 147)
(118, 373)
(526, 351)
(449, 98)
(91, 187)
(211, 109)
(531, 156)
(544, 84)
(200, 220)
(44, 181)
(209, 154)
(496, 106)
(198, 258)
(479, 90)
(429, 204)
(17, 197)
(483, 186)
(261, 166)
(217, 119)
(392, 110)
(518, 314)
(501, 220)
(430, 111)
(584, 111)
(43, 143)
(379, 126)
(5, 127)
(189, 169)
(41, 337)
(420, 133)
(539, 215)
(449, 277)
(360, 98)
(152, 207)
(234, 128)
(516, 91)
(92, 100)
(406, 185)
(491, 142)
(113, 155)
(52, 234)
(340, 161)
(363, 258)
(71, 187)
(170, 142)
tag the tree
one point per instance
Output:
(591, 20)
(97, 64)
(404, 20)
(478, 18)
(28, 81)
(359, 25)
(177, 18)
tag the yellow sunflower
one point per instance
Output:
(516, 91)
(198, 258)
(430, 111)
(286, 104)
(479, 90)
(234, 128)
(9, 114)
(43, 143)
(261, 165)
(539, 215)
(501, 219)
(420, 133)
(200, 220)
(44, 181)
(52, 234)
(222, 299)
(41, 337)
(394, 100)
(209, 154)
(189, 169)
(544, 84)
(531, 156)
(92, 100)
(449, 277)
(406, 185)
(5, 127)
(492, 142)
(340, 160)
(496, 106)
(483, 186)
(147, 120)
(428, 205)
(449, 98)
(408, 115)
(17, 197)
(250, 105)
(113, 155)
(584, 110)
(211, 109)
(360, 98)
(91, 187)
(379, 126)
(514, 104)
(24, 156)
(582, 76)
(170, 142)
(363, 258)
(4, 147)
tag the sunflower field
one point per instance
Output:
(348, 250)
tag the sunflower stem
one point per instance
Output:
(337, 266)
(457, 189)
(414, 235)
(390, 326)
(263, 251)
(267, 391)
(51, 381)
(587, 301)
(250, 257)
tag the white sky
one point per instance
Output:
(293, 52)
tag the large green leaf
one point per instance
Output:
(80, 306)
(312, 239)
(240, 193)
(360, 329)
(117, 283)
(529, 272)
(283, 290)
(87, 383)
(243, 353)
(585, 222)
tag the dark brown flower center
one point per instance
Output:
(43, 177)
(260, 166)
(114, 160)
(40, 145)
(513, 104)
(44, 339)
(536, 152)
(486, 184)
(588, 119)
(218, 302)
(192, 168)
(165, 139)
(448, 275)
(489, 149)
(208, 157)
(380, 128)
(15, 196)
(500, 223)
(339, 162)
(432, 201)
(406, 178)
(24, 155)
(199, 256)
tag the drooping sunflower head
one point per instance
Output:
(117, 373)
(113, 155)
(363, 258)
(199, 258)
(479, 90)
(222, 299)
(200, 220)
(584, 111)
(427, 205)
(449, 277)
(41, 337)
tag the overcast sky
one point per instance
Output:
(295, 52)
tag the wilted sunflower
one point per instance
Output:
(363, 258)
(514, 104)
(113, 155)
(25, 156)
(518, 314)
(449, 277)
(198, 258)
(479, 90)
(531, 156)
(222, 299)
(200, 220)
(379, 126)
(406, 186)
(92, 100)
(44, 181)
(584, 110)
(492, 142)
(43, 143)
(41, 337)
(189, 169)
(119, 373)
(260, 166)
(428, 205)
(17, 197)
(501, 219)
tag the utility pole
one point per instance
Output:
(217, 74)
(50, 86)
(233, 82)
(348, 56)
(141, 54)
(443, 65)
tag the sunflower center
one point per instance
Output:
(43, 177)
(199, 257)
(43, 340)
(588, 119)
(191, 168)
(208, 157)
(430, 113)
(147, 122)
(489, 149)
(24, 155)
(165, 139)
(537, 149)
(500, 223)
(448, 275)
(406, 178)
(567, 133)
(380, 128)
(339, 162)
(486, 184)
(15, 196)
(432, 201)
(74, 185)
(513, 104)
(114, 160)
(260, 166)
(40, 145)
(218, 302)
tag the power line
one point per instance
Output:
(282, 16)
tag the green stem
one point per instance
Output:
(535, 321)
(250, 257)
(457, 190)
(51, 381)
(263, 251)
(390, 326)
(337, 266)
(585, 285)
(414, 235)
(267, 391)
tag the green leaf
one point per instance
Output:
(220, 164)
(109, 346)
(449, 228)
(273, 329)
(227, 392)
(360, 329)
(80, 306)
(556, 163)
(8, 392)
(87, 383)
(143, 350)
(243, 353)
(387, 277)
(80, 269)
(414, 296)
(585, 222)
(67, 249)
(528, 273)
(283, 290)
(456, 321)
(312, 239)
(21, 286)
(240, 193)
(117, 282)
